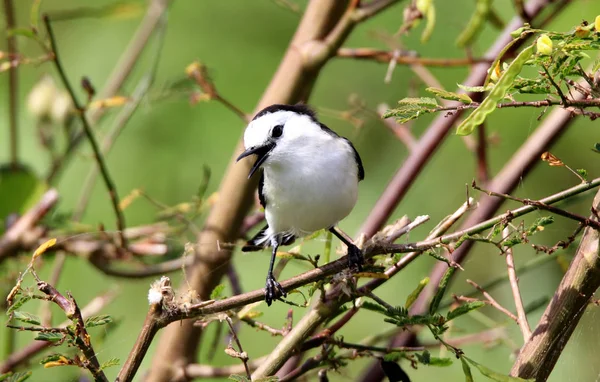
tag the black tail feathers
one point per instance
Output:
(253, 244)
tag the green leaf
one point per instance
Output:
(493, 375)
(464, 309)
(426, 359)
(445, 94)
(430, 16)
(582, 172)
(435, 302)
(476, 23)
(394, 356)
(489, 104)
(596, 147)
(373, 307)
(17, 304)
(98, 320)
(26, 317)
(539, 224)
(15, 377)
(111, 362)
(217, 293)
(34, 15)
(51, 358)
(476, 89)
(412, 297)
(466, 370)
(411, 108)
(50, 337)
(25, 32)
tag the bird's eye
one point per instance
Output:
(277, 131)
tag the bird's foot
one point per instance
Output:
(273, 290)
(355, 258)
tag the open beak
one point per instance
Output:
(262, 152)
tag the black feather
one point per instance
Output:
(252, 244)
(261, 195)
(299, 108)
(359, 165)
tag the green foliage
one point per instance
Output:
(15, 377)
(464, 309)
(502, 87)
(426, 359)
(217, 293)
(49, 336)
(26, 317)
(435, 302)
(583, 173)
(412, 108)
(98, 320)
(110, 363)
(412, 297)
(466, 370)
(492, 374)
(476, 23)
(539, 224)
(451, 96)
(18, 303)
(51, 358)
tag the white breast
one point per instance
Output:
(310, 186)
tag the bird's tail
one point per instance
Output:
(262, 240)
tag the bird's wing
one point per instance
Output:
(359, 165)
(261, 195)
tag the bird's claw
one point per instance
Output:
(273, 290)
(355, 258)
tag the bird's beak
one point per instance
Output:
(262, 152)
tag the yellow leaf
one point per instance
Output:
(372, 275)
(109, 102)
(126, 201)
(42, 248)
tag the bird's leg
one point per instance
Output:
(355, 256)
(273, 290)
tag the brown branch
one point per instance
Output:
(13, 239)
(13, 85)
(493, 302)
(541, 352)
(82, 338)
(192, 371)
(110, 185)
(385, 56)
(36, 347)
(514, 286)
(241, 354)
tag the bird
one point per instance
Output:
(309, 179)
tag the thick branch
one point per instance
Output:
(539, 355)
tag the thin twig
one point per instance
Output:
(82, 338)
(192, 370)
(514, 286)
(492, 301)
(385, 56)
(110, 185)
(13, 85)
(243, 356)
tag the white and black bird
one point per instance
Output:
(309, 180)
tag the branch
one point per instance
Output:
(36, 347)
(110, 186)
(12, 240)
(192, 371)
(493, 302)
(82, 338)
(541, 352)
(514, 286)
(385, 56)
(13, 85)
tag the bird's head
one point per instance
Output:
(276, 128)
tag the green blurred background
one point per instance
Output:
(168, 141)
